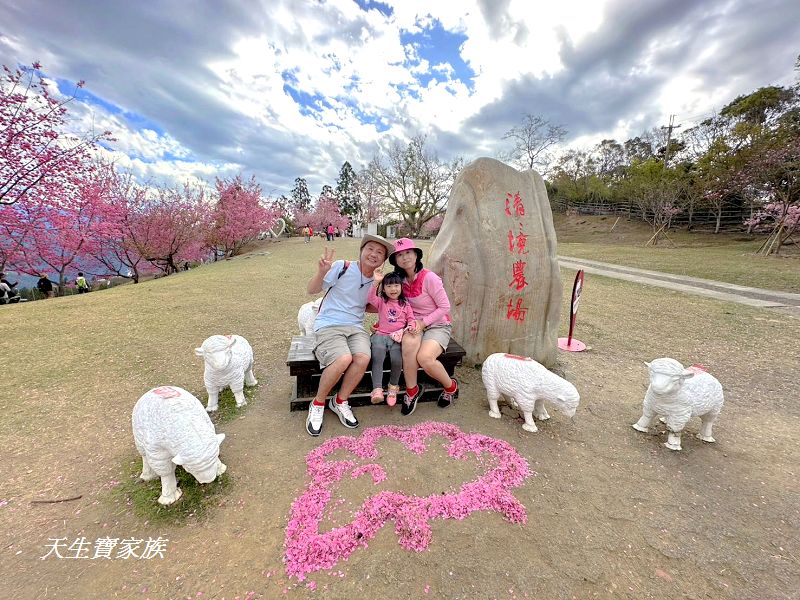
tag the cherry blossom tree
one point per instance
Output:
(119, 247)
(326, 211)
(36, 152)
(239, 215)
(62, 235)
(170, 228)
(773, 173)
(13, 232)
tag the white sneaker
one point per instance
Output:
(344, 413)
(314, 419)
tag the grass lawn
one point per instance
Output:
(611, 512)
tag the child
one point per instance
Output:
(82, 284)
(394, 317)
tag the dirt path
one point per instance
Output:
(611, 512)
(785, 302)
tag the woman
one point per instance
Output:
(425, 293)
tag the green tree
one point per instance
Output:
(327, 193)
(657, 191)
(301, 199)
(347, 191)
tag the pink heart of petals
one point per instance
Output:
(309, 550)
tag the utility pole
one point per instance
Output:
(669, 129)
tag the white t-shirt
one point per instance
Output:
(346, 301)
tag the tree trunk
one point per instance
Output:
(719, 218)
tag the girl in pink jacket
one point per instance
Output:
(394, 317)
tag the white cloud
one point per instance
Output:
(208, 104)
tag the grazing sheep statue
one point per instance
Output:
(229, 363)
(306, 315)
(676, 394)
(171, 428)
(527, 384)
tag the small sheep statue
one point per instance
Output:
(306, 315)
(527, 384)
(676, 394)
(171, 428)
(229, 363)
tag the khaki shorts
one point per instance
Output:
(438, 333)
(340, 340)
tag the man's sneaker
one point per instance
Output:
(344, 413)
(314, 419)
(446, 399)
(410, 403)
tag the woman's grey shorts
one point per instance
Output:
(438, 333)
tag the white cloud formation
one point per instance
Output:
(287, 88)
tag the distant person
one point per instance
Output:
(307, 233)
(4, 279)
(81, 283)
(45, 286)
(5, 291)
(329, 232)
(186, 266)
(8, 290)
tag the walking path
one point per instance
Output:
(785, 302)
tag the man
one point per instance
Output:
(45, 286)
(342, 345)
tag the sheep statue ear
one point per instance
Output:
(232, 342)
(199, 352)
(220, 437)
(687, 374)
(178, 460)
(647, 364)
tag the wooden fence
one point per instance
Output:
(731, 218)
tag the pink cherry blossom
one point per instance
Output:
(308, 550)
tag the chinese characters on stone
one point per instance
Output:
(108, 548)
(517, 245)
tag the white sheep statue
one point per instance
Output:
(229, 363)
(677, 394)
(306, 315)
(171, 428)
(527, 384)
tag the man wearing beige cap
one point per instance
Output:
(342, 346)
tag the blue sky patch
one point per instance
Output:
(135, 120)
(384, 9)
(378, 122)
(309, 104)
(439, 46)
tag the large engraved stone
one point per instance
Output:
(496, 253)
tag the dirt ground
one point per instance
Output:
(611, 512)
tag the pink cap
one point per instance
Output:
(404, 244)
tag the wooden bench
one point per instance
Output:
(303, 366)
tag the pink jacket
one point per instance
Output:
(392, 316)
(428, 298)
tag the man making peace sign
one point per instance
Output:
(342, 345)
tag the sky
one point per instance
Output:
(279, 89)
